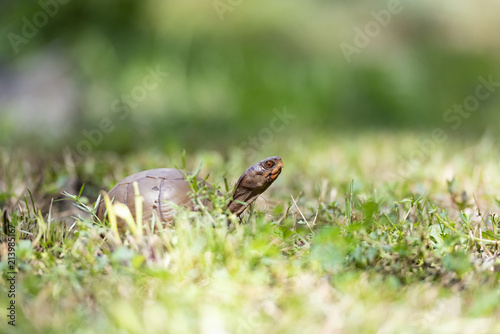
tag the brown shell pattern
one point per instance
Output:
(157, 187)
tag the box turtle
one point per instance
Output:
(160, 186)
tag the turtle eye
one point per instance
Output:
(269, 164)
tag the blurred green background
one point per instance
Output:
(69, 66)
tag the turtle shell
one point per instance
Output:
(158, 187)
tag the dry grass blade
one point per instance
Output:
(301, 214)
(111, 216)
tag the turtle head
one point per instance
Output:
(254, 181)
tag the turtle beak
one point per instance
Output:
(280, 164)
(277, 169)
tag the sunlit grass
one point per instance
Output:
(359, 249)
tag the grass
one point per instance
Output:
(342, 242)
